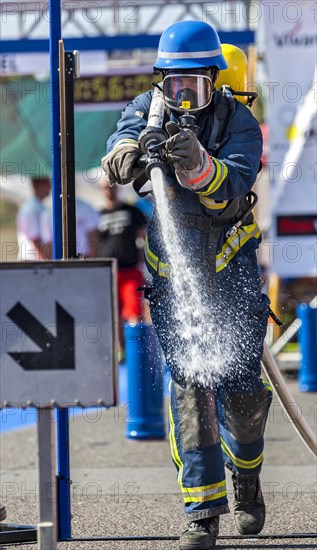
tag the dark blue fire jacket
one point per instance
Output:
(236, 157)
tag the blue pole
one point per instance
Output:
(64, 511)
(308, 345)
(55, 36)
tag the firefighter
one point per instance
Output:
(210, 174)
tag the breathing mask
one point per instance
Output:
(189, 92)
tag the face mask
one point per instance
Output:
(187, 92)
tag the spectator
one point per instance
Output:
(31, 246)
(86, 229)
(121, 236)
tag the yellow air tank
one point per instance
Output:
(236, 76)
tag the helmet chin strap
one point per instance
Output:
(215, 75)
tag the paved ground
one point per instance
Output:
(128, 488)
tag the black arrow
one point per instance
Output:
(57, 352)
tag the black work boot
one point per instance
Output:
(200, 534)
(249, 507)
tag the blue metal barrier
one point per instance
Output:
(145, 383)
(308, 344)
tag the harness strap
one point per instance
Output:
(230, 215)
(232, 210)
(224, 107)
(192, 221)
(214, 132)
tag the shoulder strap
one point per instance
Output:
(224, 107)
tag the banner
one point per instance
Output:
(115, 89)
(291, 54)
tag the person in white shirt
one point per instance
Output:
(31, 245)
(87, 220)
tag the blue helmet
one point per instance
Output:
(189, 45)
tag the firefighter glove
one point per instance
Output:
(183, 149)
(120, 164)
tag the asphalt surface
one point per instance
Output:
(124, 488)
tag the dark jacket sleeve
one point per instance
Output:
(133, 120)
(238, 161)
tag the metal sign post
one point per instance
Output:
(67, 74)
(47, 528)
(67, 159)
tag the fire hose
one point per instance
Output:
(287, 401)
(150, 143)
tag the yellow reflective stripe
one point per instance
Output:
(172, 439)
(152, 264)
(215, 178)
(174, 450)
(246, 464)
(126, 140)
(160, 267)
(163, 270)
(150, 257)
(203, 488)
(223, 175)
(220, 176)
(234, 244)
(210, 203)
(151, 254)
(205, 498)
(267, 384)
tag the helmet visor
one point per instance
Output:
(187, 92)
